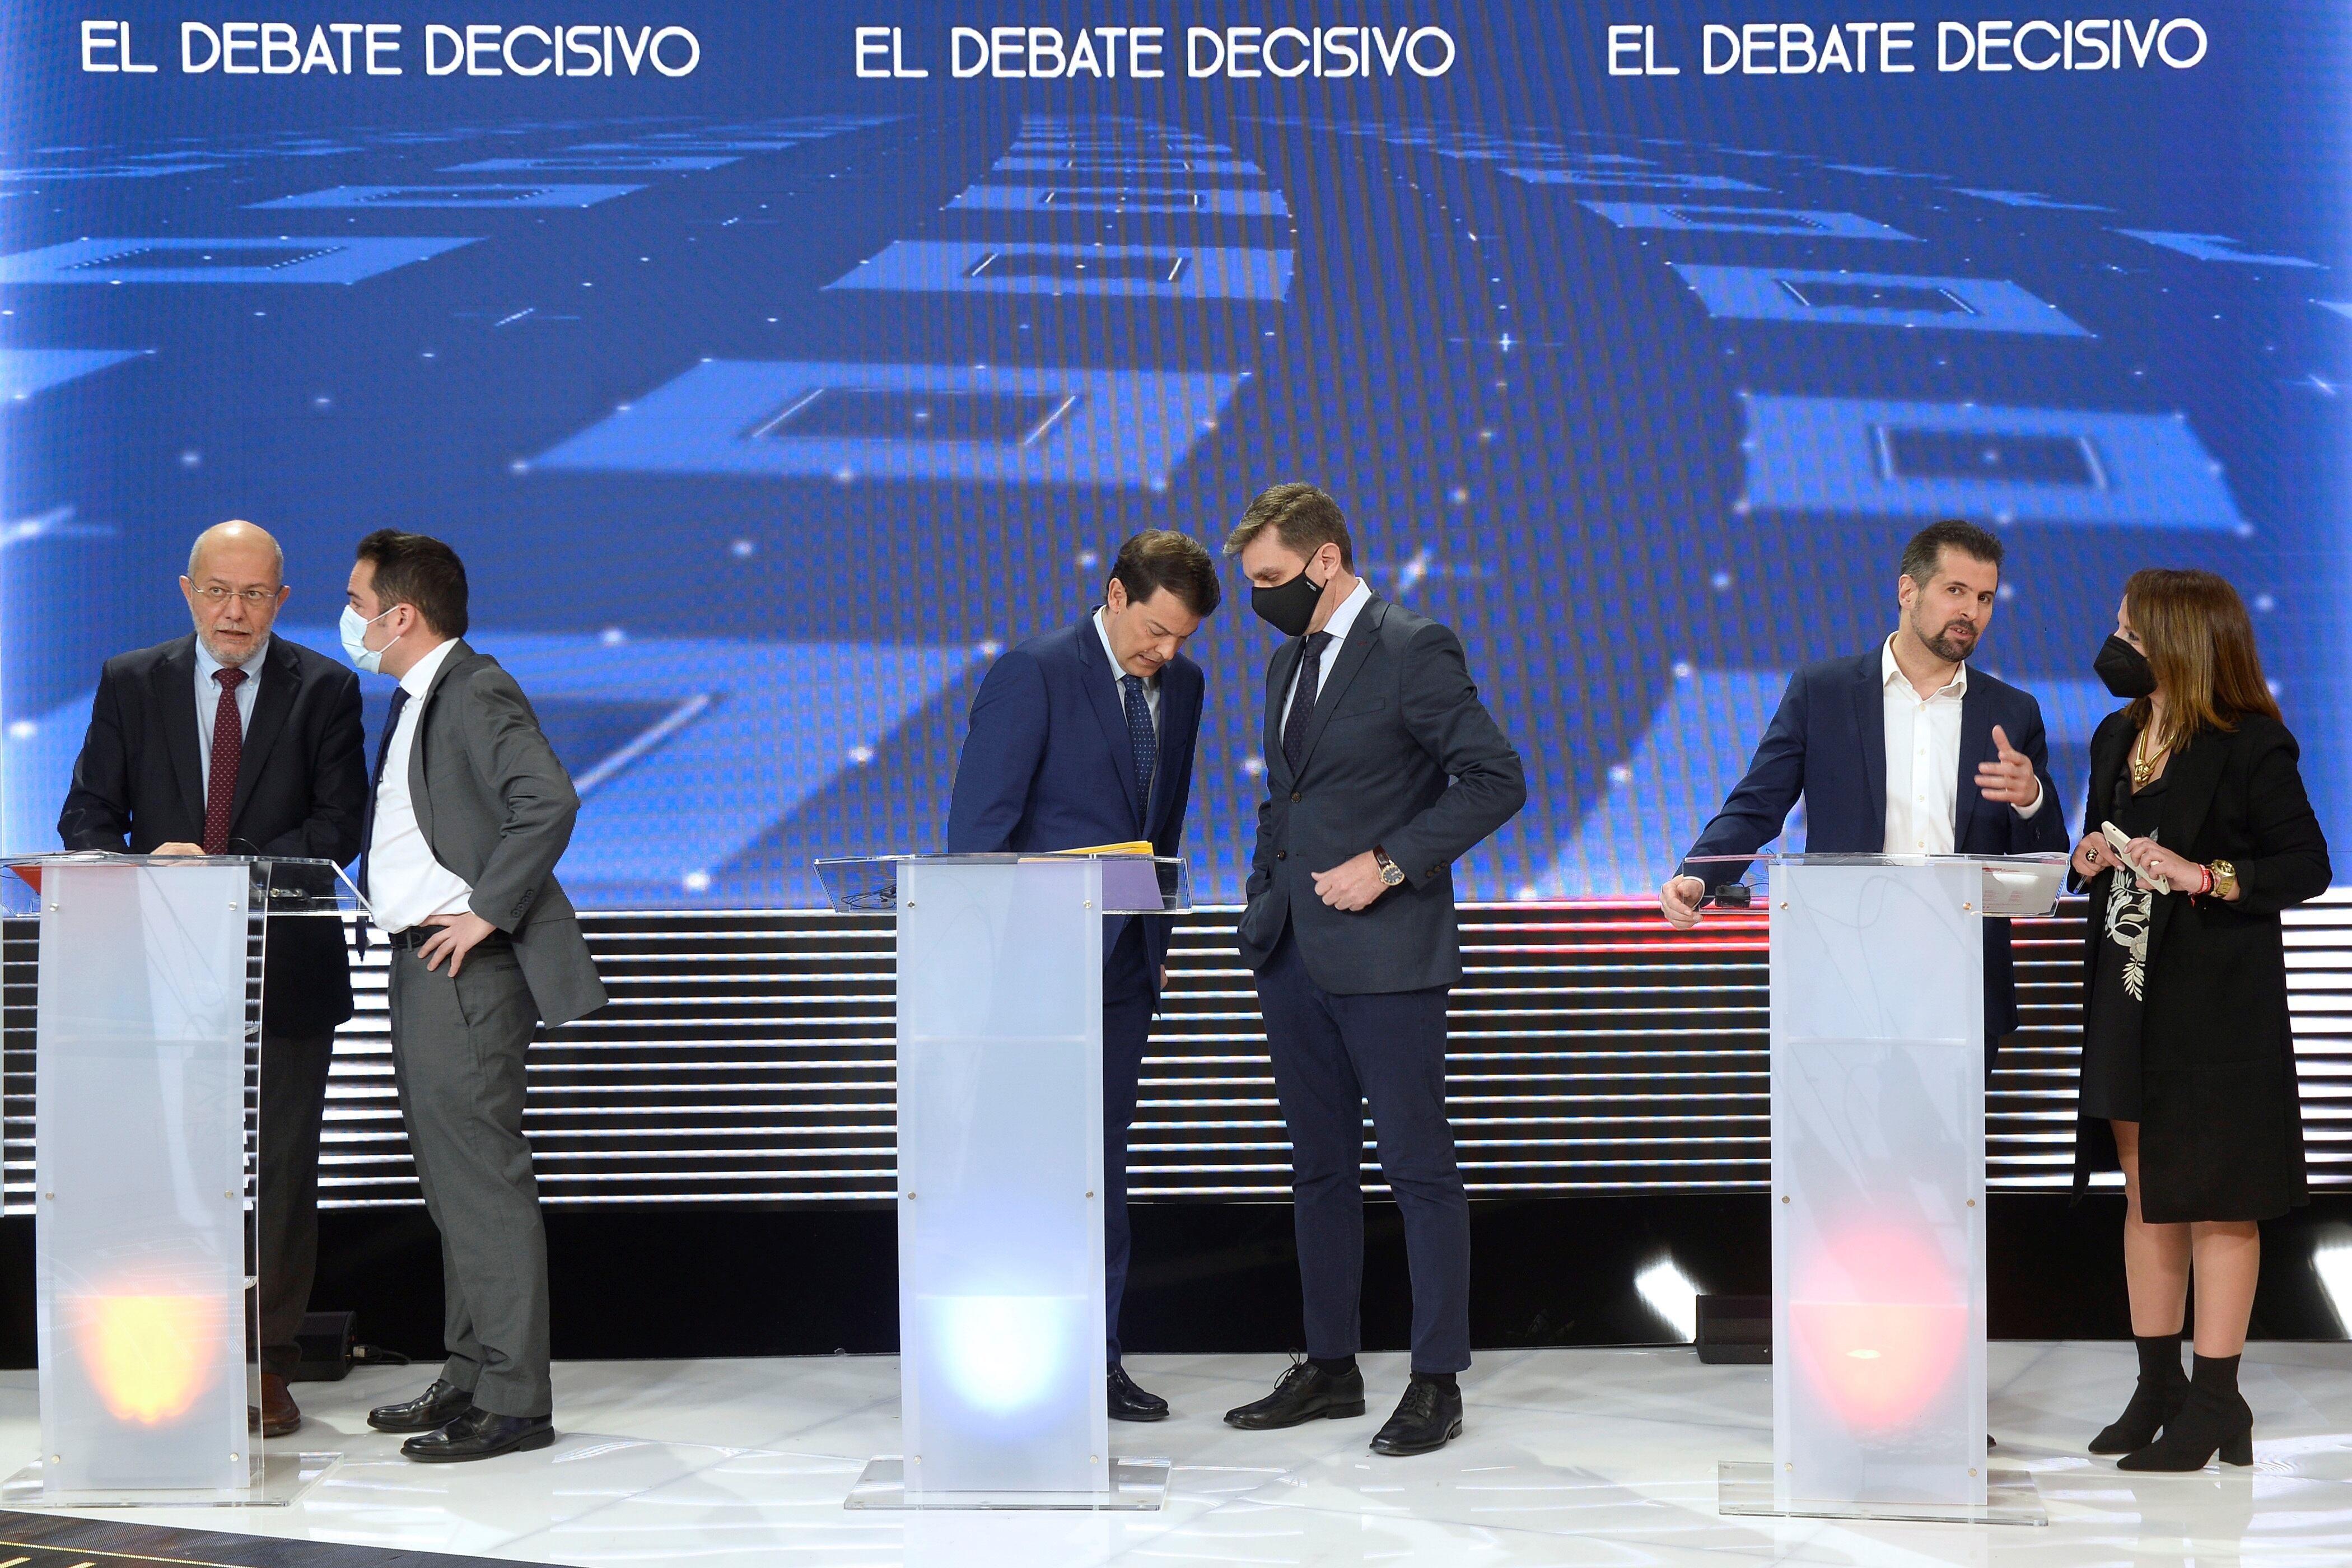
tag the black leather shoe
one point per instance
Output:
(1129, 1403)
(478, 1434)
(436, 1406)
(1306, 1393)
(1426, 1419)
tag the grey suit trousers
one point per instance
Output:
(457, 1047)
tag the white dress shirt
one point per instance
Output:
(208, 700)
(405, 884)
(1118, 673)
(1341, 620)
(1923, 761)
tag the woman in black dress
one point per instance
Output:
(2187, 1061)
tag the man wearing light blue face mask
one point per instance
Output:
(468, 813)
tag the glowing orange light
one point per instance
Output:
(151, 1357)
(1882, 1364)
(1881, 1324)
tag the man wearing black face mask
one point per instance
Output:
(1903, 749)
(1382, 768)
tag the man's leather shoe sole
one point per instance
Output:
(521, 1443)
(1396, 1450)
(283, 1427)
(1298, 1418)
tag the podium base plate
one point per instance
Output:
(1135, 1484)
(284, 1478)
(2010, 1497)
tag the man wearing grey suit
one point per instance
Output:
(1382, 768)
(470, 810)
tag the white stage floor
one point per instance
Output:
(1570, 1457)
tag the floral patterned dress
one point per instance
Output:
(2111, 1027)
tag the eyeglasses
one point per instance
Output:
(255, 599)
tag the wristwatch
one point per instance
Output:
(1391, 874)
(2225, 879)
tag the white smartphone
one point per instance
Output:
(2116, 840)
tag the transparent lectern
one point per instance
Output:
(146, 1172)
(1878, 1280)
(1002, 1400)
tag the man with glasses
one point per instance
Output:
(232, 742)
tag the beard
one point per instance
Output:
(226, 651)
(1953, 644)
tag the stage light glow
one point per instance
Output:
(1001, 1352)
(1671, 1296)
(2332, 1261)
(149, 1357)
(1880, 1325)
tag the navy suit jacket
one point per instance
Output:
(1046, 765)
(1827, 744)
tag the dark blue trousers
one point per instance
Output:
(1129, 995)
(1332, 1056)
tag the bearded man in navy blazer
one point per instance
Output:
(1083, 736)
(1902, 750)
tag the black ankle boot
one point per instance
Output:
(2163, 1387)
(2215, 1418)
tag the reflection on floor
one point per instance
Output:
(1570, 1457)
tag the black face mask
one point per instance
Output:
(1288, 608)
(2125, 670)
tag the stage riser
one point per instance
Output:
(804, 1279)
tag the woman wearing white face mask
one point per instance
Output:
(2187, 1076)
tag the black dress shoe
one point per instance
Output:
(1306, 1393)
(478, 1434)
(1426, 1419)
(436, 1406)
(1129, 1403)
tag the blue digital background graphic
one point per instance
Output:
(768, 403)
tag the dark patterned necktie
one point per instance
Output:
(375, 780)
(228, 750)
(1302, 704)
(1141, 738)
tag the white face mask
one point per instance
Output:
(355, 640)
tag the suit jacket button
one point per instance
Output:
(1295, 795)
(1282, 854)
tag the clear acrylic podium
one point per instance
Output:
(1878, 1278)
(1001, 1327)
(146, 1089)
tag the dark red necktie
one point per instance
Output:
(228, 750)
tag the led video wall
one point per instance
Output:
(770, 388)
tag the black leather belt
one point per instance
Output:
(416, 936)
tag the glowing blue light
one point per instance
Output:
(1003, 1354)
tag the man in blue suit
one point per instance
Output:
(1083, 736)
(1902, 749)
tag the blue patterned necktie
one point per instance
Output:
(1302, 701)
(1141, 738)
